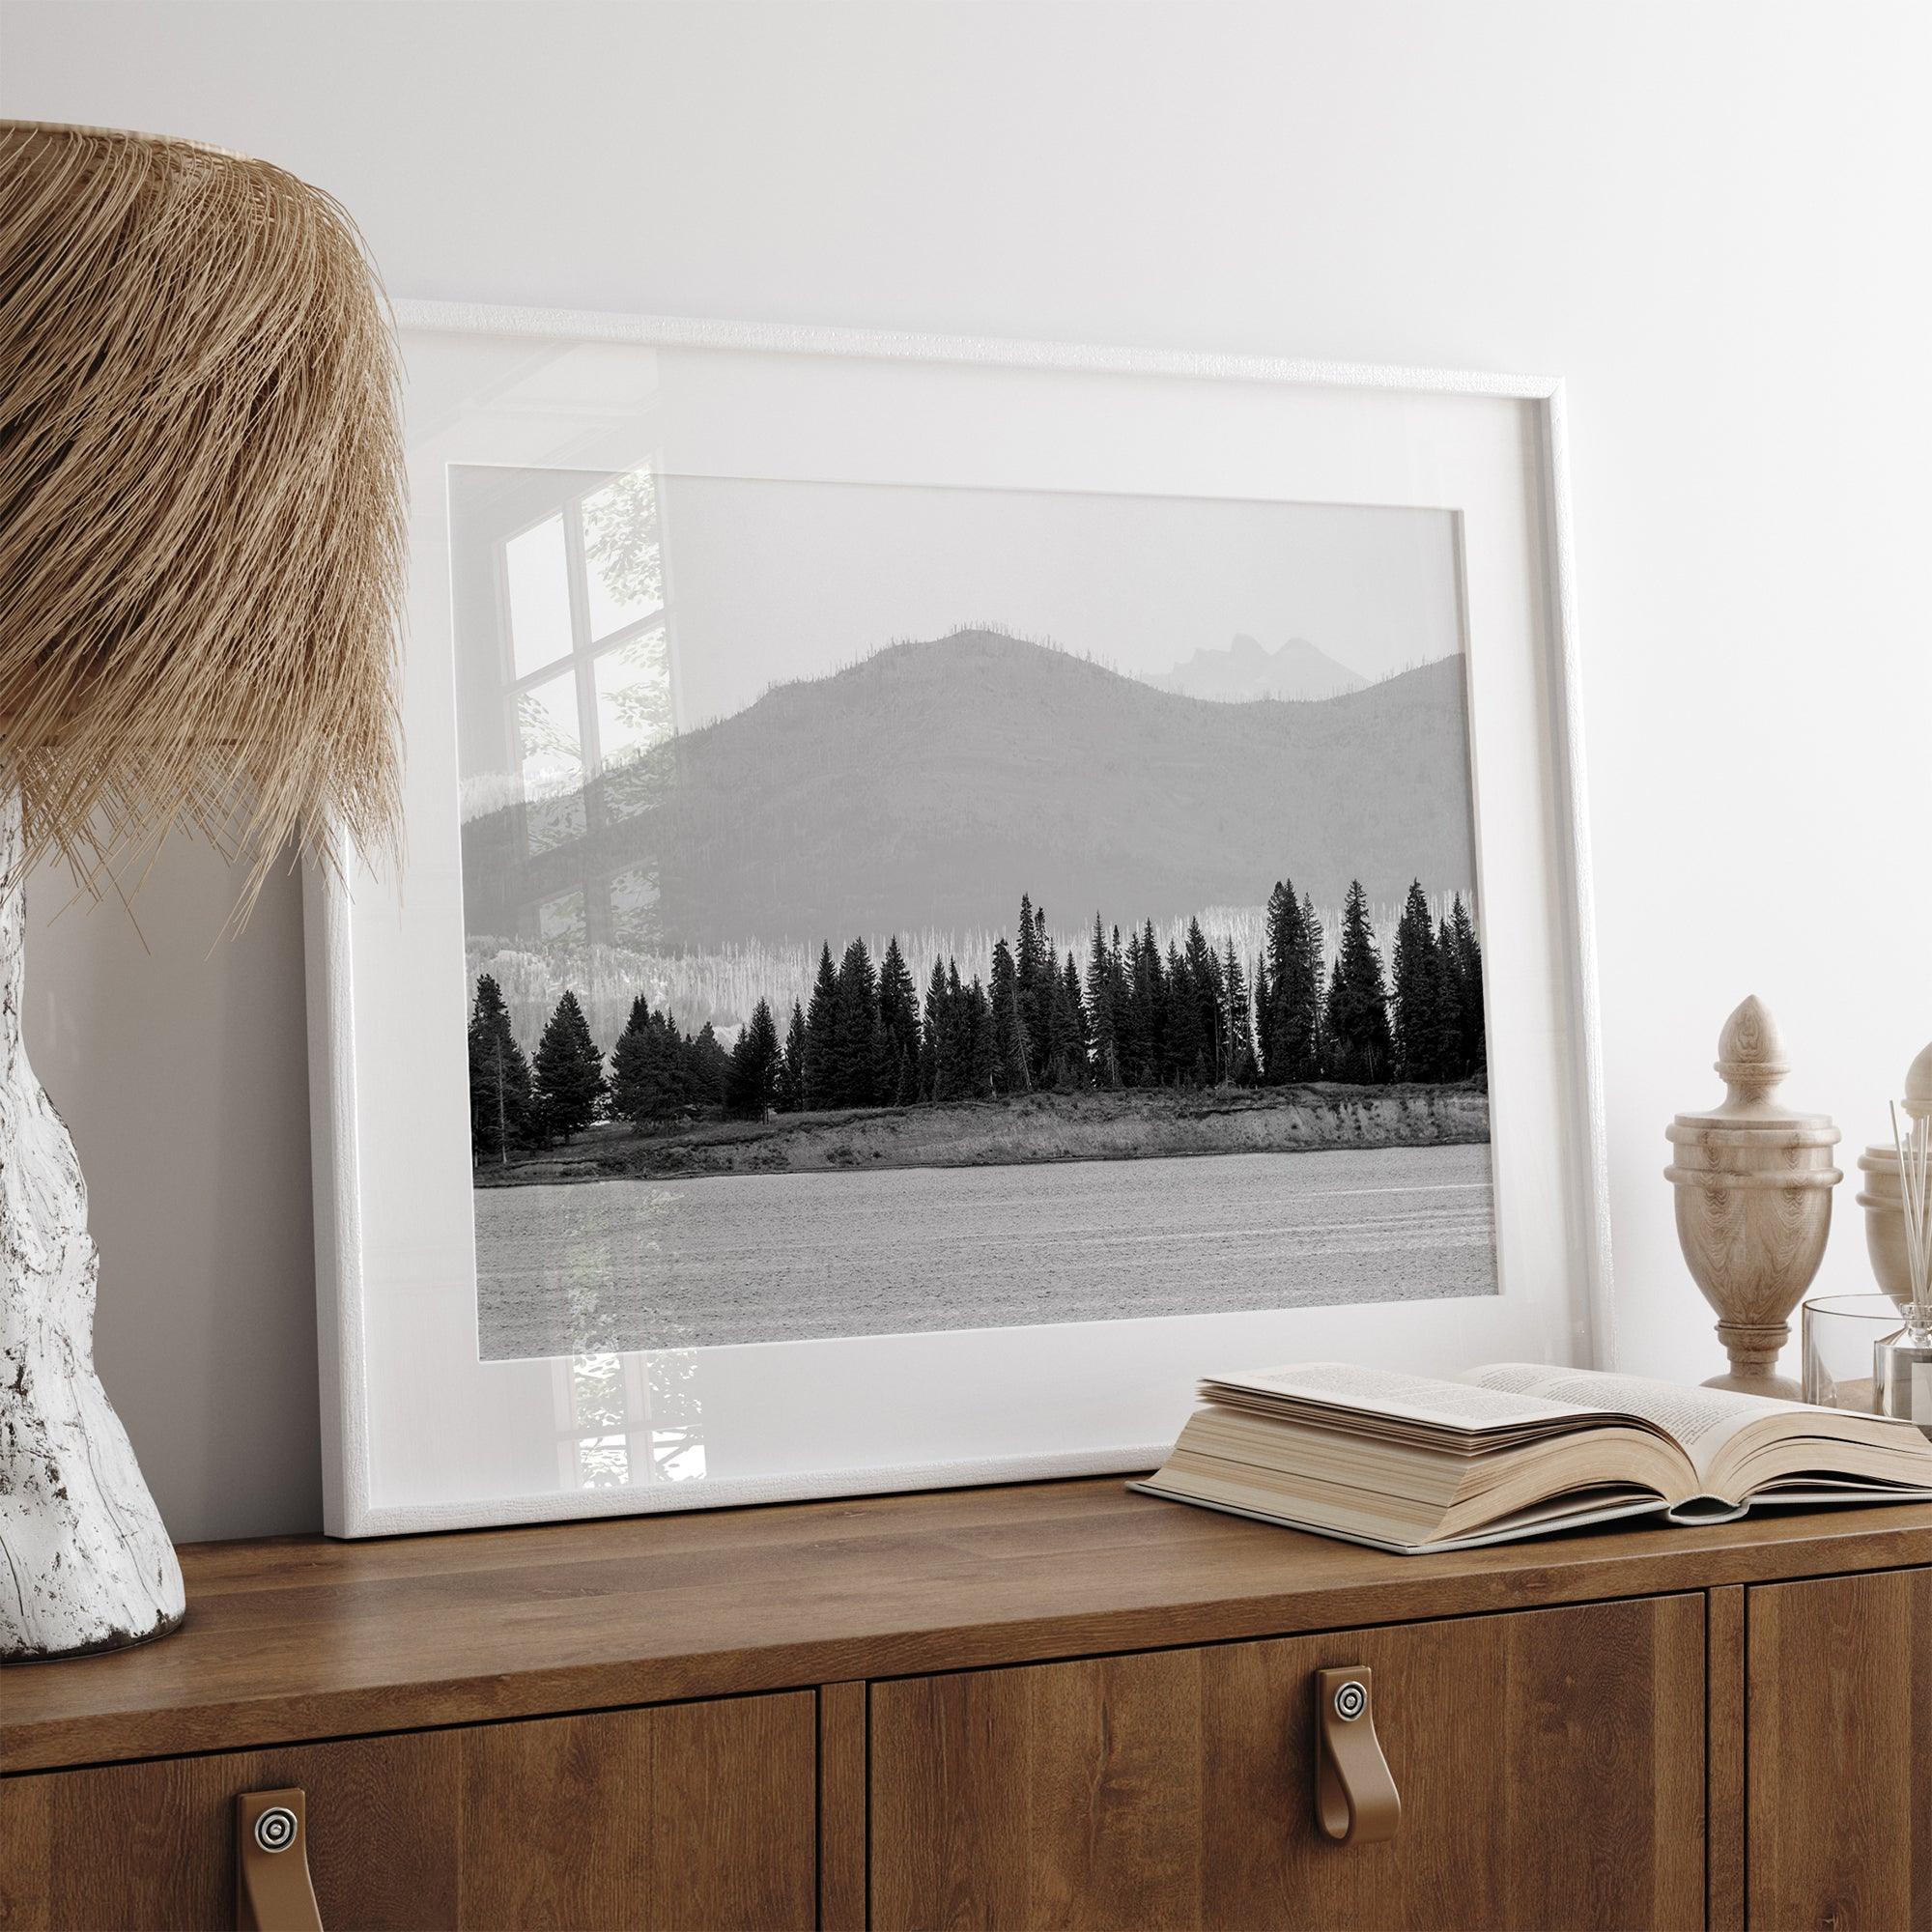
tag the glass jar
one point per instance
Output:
(1838, 1334)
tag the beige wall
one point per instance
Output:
(1709, 218)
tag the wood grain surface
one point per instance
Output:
(1550, 1767)
(1724, 1612)
(1840, 1732)
(843, 1722)
(687, 1816)
(304, 1638)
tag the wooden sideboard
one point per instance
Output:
(1056, 1704)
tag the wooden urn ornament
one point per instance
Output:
(1754, 1183)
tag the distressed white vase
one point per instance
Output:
(85, 1562)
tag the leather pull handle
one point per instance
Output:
(1355, 1799)
(273, 1892)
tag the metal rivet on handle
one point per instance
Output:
(275, 1829)
(1350, 1701)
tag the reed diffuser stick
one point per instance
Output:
(1914, 1141)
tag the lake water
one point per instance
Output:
(620, 1264)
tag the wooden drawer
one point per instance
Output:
(681, 1815)
(1551, 1765)
(1838, 1675)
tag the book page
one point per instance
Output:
(1443, 1404)
(1701, 1420)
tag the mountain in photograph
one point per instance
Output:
(1247, 668)
(924, 785)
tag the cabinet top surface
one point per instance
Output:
(302, 1638)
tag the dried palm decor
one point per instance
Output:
(201, 545)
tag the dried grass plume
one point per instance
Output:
(201, 505)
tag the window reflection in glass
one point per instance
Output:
(624, 568)
(629, 1419)
(677, 1415)
(603, 1449)
(552, 760)
(634, 892)
(632, 681)
(585, 643)
(538, 569)
(546, 734)
(561, 919)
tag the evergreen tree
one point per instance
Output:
(1183, 1045)
(935, 1083)
(1120, 997)
(1215, 1016)
(896, 1077)
(1101, 1027)
(708, 1068)
(1238, 1053)
(1310, 1033)
(639, 1088)
(821, 1037)
(1011, 1072)
(1415, 972)
(1467, 951)
(679, 1074)
(791, 1074)
(982, 1058)
(683, 1080)
(1150, 1014)
(1258, 994)
(755, 1059)
(856, 1053)
(1067, 1030)
(955, 1037)
(567, 1074)
(1204, 979)
(500, 1078)
(677, 1085)
(1448, 1026)
(1031, 978)
(1263, 995)
(1275, 994)
(1289, 1017)
(1356, 1021)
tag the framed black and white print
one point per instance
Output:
(953, 887)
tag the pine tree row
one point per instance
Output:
(1191, 1017)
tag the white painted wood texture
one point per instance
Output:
(85, 1560)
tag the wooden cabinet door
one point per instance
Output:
(681, 1815)
(1551, 1765)
(1838, 1738)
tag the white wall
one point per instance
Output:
(1711, 218)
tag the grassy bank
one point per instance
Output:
(1030, 1128)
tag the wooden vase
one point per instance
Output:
(1754, 1182)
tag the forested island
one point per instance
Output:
(1137, 1022)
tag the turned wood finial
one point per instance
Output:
(1750, 1060)
(1754, 1183)
(1918, 1086)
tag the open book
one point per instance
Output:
(1411, 1464)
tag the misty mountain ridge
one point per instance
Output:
(1248, 669)
(930, 785)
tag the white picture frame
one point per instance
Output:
(419, 1434)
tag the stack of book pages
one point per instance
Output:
(1414, 1463)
